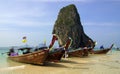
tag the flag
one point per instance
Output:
(24, 39)
(44, 41)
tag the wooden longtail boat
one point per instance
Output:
(56, 54)
(103, 51)
(37, 57)
(78, 52)
(41, 55)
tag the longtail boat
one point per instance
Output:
(37, 57)
(56, 54)
(80, 52)
(103, 51)
(40, 55)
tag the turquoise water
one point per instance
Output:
(3, 57)
(4, 61)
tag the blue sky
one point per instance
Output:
(35, 19)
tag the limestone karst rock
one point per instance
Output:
(68, 24)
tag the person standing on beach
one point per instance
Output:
(12, 52)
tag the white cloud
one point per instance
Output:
(22, 23)
(22, 14)
(23, 11)
(4, 29)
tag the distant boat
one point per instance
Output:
(102, 51)
(118, 49)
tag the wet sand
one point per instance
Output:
(93, 64)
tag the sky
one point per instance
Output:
(35, 20)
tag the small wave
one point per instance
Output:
(12, 68)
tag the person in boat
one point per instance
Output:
(101, 47)
(12, 52)
(36, 49)
(40, 47)
(27, 51)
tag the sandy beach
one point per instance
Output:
(93, 64)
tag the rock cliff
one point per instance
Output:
(67, 25)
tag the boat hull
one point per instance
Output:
(103, 51)
(78, 53)
(37, 57)
(55, 56)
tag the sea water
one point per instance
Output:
(4, 61)
(7, 66)
(3, 56)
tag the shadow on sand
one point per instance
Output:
(69, 61)
(49, 64)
